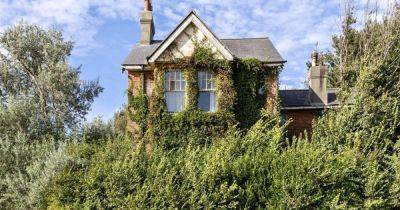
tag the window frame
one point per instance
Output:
(206, 83)
(179, 83)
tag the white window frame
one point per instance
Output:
(176, 78)
(206, 83)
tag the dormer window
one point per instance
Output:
(175, 85)
(207, 97)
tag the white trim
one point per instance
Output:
(192, 18)
(132, 67)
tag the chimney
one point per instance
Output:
(147, 24)
(317, 80)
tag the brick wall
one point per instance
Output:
(301, 121)
(271, 84)
(149, 83)
(134, 79)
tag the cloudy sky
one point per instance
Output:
(105, 30)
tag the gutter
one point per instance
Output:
(309, 107)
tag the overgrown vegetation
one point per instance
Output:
(352, 160)
(241, 89)
(250, 81)
(41, 99)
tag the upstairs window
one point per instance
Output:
(207, 97)
(175, 85)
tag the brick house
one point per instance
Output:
(148, 55)
(303, 105)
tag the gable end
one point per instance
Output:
(192, 18)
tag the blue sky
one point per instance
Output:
(105, 30)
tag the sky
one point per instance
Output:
(104, 32)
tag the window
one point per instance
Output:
(175, 90)
(207, 97)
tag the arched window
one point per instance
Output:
(207, 96)
(175, 85)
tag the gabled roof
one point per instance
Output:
(192, 18)
(259, 48)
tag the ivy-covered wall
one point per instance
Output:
(241, 89)
(253, 82)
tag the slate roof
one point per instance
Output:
(259, 48)
(300, 98)
(294, 98)
(139, 53)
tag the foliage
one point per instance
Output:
(346, 51)
(371, 124)
(250, 81)
(120, 122)
(26, 168)
(192, 121)
(238, 94)
(198, 160)
(232, 172)
(137, 111)
(38, 87)
(42, 99)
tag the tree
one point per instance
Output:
(346, 50)
(40, 93)
(41, 97)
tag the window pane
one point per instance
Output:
(207, 101)
(167, 87)
(177, 85)
(175, 101)
(172, 86)
(206, 81)
(183, 85)
(213, 102)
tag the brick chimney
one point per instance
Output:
(317, 81)
(147, 24)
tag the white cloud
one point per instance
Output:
(79, 19)
(293, 25)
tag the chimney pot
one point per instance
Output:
(314, 57)
(147, 5)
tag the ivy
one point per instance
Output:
(250, 81)
(238, 99)
(138, 111)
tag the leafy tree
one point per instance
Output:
(40, 93)
(346, 50)
(41, 98)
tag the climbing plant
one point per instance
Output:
(240, 89)
(192, 121)
(251, 85)
(138, 110)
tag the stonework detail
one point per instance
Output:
(184, 45)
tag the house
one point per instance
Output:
(303, 105)
(240, 82)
